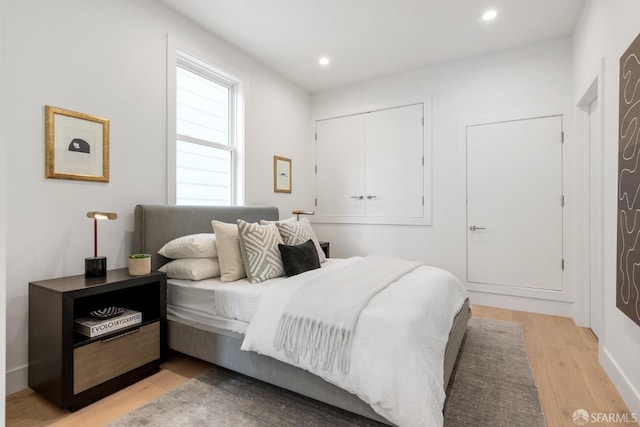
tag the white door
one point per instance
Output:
(514, 203)
(340, 162)
(395, 162)
(595, 218)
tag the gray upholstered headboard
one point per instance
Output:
(155, 225)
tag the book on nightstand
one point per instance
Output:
(94, 326)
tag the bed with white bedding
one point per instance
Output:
(211, 320)
(222, 305)
(210, 301)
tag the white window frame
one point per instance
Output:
(180, 57)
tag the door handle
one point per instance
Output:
(357, 197)
(474, 228)
(371, 197)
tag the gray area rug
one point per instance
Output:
(492, 386)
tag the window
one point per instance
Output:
(207, 158)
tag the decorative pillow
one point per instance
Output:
(201, 245)
(296, 233)
(192, 268)
(229, 255)
(299, 258)
(259, 247)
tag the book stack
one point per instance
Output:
(93, 326)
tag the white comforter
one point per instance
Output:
(398, 346)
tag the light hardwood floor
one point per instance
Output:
(563, 357)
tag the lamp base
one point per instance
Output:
(95, 266)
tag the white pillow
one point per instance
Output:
(297, 233)
(229, 254)
(192, 268)
(260, 253)
(201, 245)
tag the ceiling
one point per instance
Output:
(365, 39)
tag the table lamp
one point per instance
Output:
(298, 213)
(96, 266)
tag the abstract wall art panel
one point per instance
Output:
(628, 267)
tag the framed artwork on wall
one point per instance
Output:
(281, 174)
(628, 256)
(77, 145)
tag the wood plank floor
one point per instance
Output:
(563, 357)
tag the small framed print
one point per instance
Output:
(281, 174)
(77, 145)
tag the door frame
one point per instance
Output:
(559, 303)
(593, 91)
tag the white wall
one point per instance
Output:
(605, 30)
(513, 82)
(3, 275)
(109, 59)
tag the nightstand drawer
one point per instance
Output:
(100, 361)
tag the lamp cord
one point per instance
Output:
(95, 238)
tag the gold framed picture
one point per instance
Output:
(77, 145)
(281, 174)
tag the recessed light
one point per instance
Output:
(323, 61)
(489, 15)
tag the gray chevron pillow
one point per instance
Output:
(260, 253)
(296, 233)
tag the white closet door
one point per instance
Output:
(514, 190)
(394, 162)
(340, 163)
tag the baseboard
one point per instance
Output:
(17, 379)
(629, 394)
(534, 305)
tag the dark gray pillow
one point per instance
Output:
(299, 258)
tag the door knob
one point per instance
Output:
(474, 228)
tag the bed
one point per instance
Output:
(155, 225)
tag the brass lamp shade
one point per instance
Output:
(102, 215)
(297, 213)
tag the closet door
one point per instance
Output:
(394, 165)
(340, 167)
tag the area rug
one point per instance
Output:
(492, 386)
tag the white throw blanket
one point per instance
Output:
(398, 346)
(320, 318)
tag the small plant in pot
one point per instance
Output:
(139, 264)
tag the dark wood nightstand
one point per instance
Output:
(73, 370)
(325, 247)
